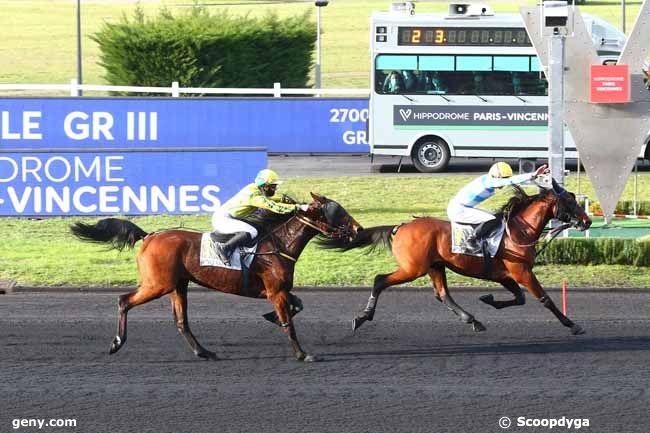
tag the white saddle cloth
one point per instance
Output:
(210, 258)
(460, 245)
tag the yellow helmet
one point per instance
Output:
(500, 169)
(267, 177)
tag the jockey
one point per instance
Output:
(228, 218)
(462, 208)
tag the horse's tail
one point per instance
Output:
(119, 233)
(370, 237)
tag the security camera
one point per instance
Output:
(556, 13)
(321, 3)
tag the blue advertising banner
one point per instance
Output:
(281, 125)
(137, 182)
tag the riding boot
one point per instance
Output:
(218, 248)
(484, 229)
(238, 239)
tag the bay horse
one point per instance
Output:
(169, 259)
(423, 246)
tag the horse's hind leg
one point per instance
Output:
(296, 307)
(381, 282)
(179, 307)
(280, 300)
(125, 302)
(514, 288)
(439, 278)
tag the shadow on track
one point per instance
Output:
(582, 345)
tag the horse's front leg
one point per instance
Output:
(513, 287)
(280, 300)
(524, 276)
(439, 279)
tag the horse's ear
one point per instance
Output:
(316, 197)
(556, 187)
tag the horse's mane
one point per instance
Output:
(518, 202)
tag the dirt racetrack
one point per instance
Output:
(415, 368)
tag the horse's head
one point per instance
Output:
(331, 219)
(567, 208)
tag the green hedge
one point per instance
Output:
(199, 49)
(596, 251)
(624, 207)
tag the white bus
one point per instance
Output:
(464, 84)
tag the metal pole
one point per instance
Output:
(578, 176)
(623, 15)
(636, 188)
(556, 105)
(79, 81)
(318, 47)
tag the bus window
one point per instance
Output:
(436, 63)
(473, 63)
(535, 65)
(392, 83)
(512, 63)
(529, 84)
(499, 75)
(396, 62)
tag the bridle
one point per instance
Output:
(324, 228)
(554, 232)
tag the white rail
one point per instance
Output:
(175, 91)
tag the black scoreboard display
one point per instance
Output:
(463, 36)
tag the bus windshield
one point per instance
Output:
(509, 75)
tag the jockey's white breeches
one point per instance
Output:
(224, 223)
(467, 215)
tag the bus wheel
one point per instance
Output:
(430, 156)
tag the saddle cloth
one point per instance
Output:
(460, 245)
(210, 258)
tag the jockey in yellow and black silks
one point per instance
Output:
(257, 195)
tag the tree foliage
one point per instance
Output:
(200, 49)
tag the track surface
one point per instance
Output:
(416, 368)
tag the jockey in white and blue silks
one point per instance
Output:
(462, 208)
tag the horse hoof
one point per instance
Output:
(477, 326)
(115, 346)
(488, 299)
(577, 329)
(357, 322)
(206, 354)
(271, 317)
(311, 358)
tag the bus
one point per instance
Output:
(463, 84)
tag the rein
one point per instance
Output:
(326, 229)
(552, 234)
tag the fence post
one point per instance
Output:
(277, 91)
(175, 91)
(74, 87)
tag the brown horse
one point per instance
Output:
(423, 246)
(169, 259)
